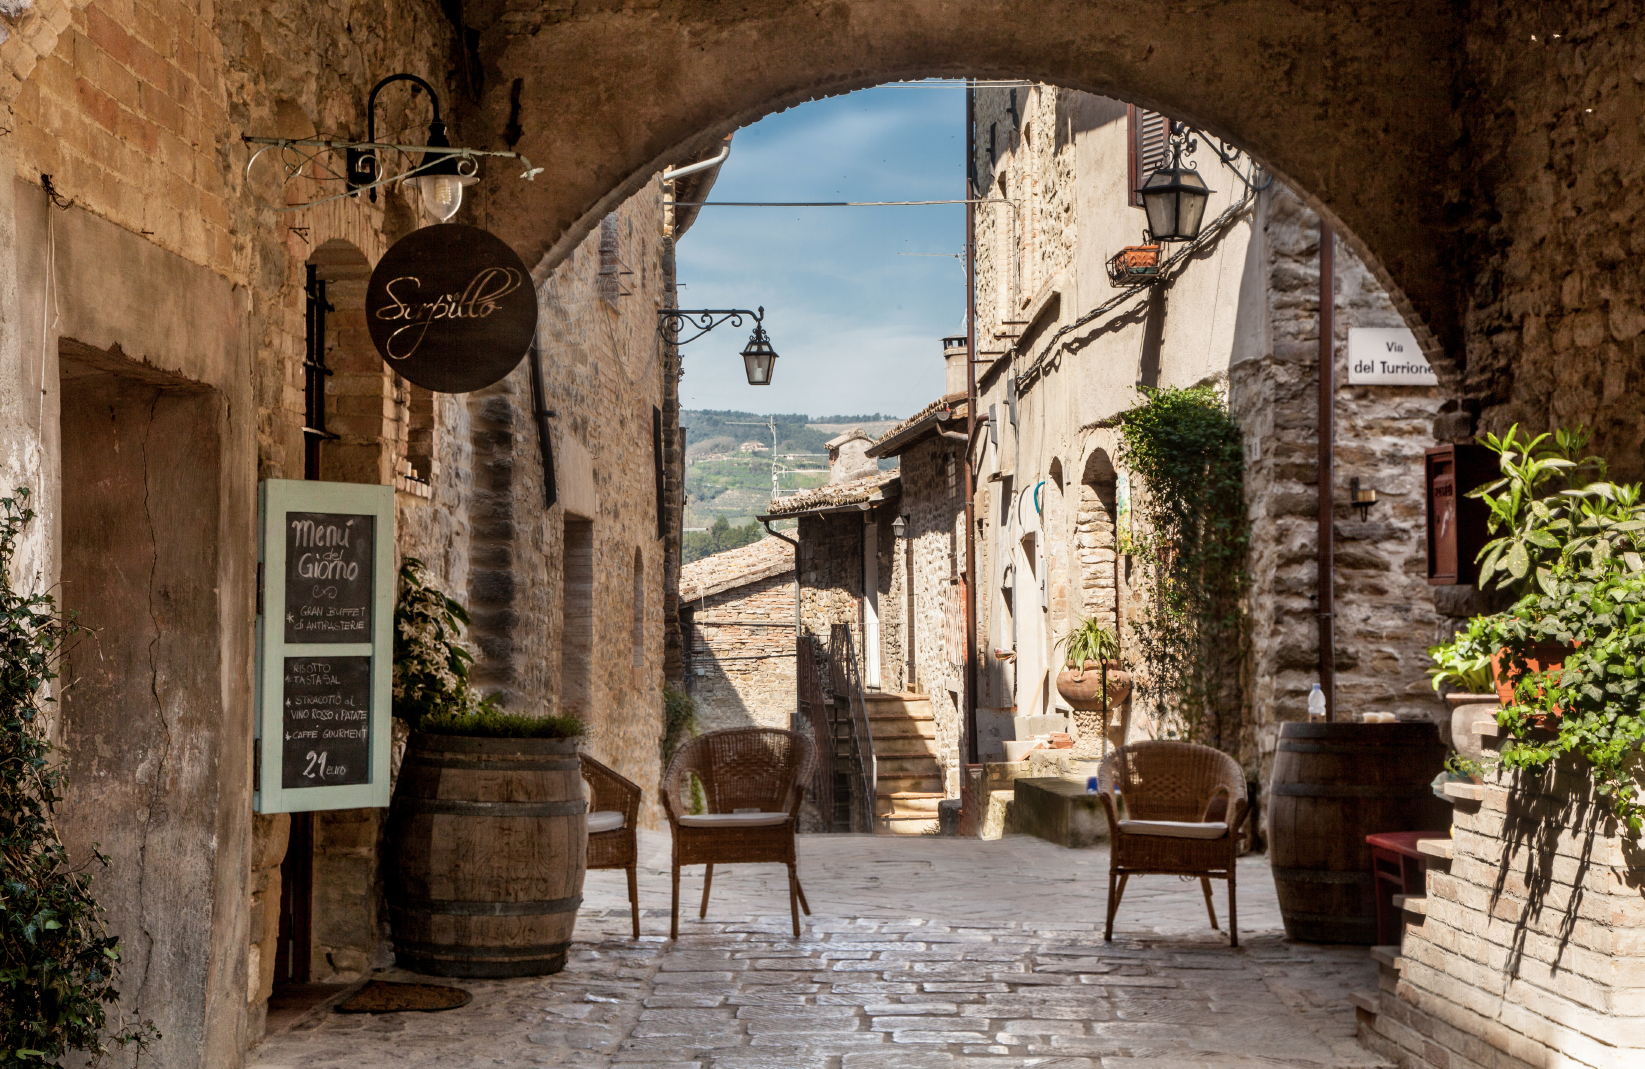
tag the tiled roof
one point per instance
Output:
(733, 568)
(837, 495)
(942, 410)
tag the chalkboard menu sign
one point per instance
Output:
(324, 646)
(329, 579)
(326, 722)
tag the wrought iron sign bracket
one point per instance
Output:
(671, 321)
(302, 157)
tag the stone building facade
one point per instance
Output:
(737, 618)
(155, 372)
(1062, 353)
(926, 585)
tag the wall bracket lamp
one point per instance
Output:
(1361, 497)
(759, 358)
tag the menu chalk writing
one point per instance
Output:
(326, 722)
(328, 580)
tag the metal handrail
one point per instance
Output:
(814, 716)
(846, 678)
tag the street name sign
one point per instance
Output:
(1387, 356)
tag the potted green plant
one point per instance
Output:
(1461, 674)
(1571, 648)
(1091, 679)
(487, 831)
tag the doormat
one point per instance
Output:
(383, 996)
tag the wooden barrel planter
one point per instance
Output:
(489, 841)
(1334, 784)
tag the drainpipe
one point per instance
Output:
(765, 521)
(1326, 434)
(701, 165)
(541, 414)
(967, 588)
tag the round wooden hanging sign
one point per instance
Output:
(451, 308)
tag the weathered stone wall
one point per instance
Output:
(1385, 610)
(932, 506)
(1528, 950)
(741, 655)
(1556, 305)
(160, 255)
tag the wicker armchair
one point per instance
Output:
(752, 780)
(1173, 808)
(613, 815)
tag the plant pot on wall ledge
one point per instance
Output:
(1094, 687)
(1508, 666)
(1466, 711)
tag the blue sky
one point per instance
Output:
(857, 327)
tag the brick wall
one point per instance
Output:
(741, 655)
(1528, 950)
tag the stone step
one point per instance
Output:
(903, 746)
(910, 801)
(892, 783)
(1386, 956)
(886, 712)
(902, 728)
(1438, 849)
(1365, 1002)
(906, 764)
(915, 824)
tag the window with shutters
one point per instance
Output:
(1150, 147)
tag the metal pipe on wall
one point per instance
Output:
(969, 489)
(1326, 557)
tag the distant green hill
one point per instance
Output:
(728, 459)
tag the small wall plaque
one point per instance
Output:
(1387, 356)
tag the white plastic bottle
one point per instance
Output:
(1316, 705)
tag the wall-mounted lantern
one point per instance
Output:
(759, 358)
(1175, 197)
(439, 170)
(1361, 497)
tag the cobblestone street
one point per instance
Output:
(923, 952)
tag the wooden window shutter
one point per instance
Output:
(1150, 147)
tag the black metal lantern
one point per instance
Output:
(759, 357)
(1174, 197)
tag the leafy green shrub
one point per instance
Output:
(491, 723)
(1194, 537)
(1463, 664)
(58, 966)
(431, 663)
(1572, 546)
(679, 720)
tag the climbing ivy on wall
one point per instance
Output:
(58, 967)
(1185, 450)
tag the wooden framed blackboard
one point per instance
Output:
(324, 646)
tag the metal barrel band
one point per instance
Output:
(458, 907)
(1322, 876)
(1347, 790)
(454, 807)
(466, 950)
(463, 762)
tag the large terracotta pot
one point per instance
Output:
(1082, 688)
(1466, 711)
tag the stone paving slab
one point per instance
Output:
(923, 953)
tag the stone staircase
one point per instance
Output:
(910, 776)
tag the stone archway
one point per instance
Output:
(606, 94)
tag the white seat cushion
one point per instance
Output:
(1175, 829)
(604, 820)
(733, 820)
